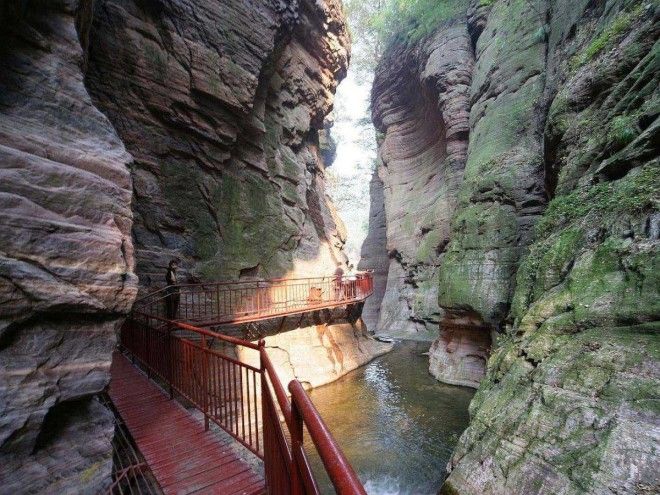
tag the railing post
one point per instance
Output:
(262, 344)
(267, 444)
(170, 362)
(205, 382)
(296, 446)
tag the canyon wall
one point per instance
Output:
(569, 402)
(221, 105)
(131, 133)
(66, 257)
(420, 102)
(552, 246)
(373, 255)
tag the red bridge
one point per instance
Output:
(165, 336)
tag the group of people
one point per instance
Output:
(342, 288)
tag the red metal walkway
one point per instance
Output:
(222, 303)
(164, 334)
(183, 456)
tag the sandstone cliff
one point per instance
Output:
(567, 406)
(373, 255)
(420, 105)
(132, 132)
(221, 105)
(66, 257)
(552, 245)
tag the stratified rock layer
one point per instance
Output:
(569, 404)
(502, 190)
(421, 105)
(552, 246)
(221, 105)
(458, 356)
(66, 257)
(374, 252)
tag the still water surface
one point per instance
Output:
(396, 423)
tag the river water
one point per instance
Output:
(396, 424)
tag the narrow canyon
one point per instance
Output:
(511, 245)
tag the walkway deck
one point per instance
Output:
(183, 457)
(232, 303)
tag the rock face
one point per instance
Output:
(316, 348)
(458, 356)
(323, 353)
(132, 132)
(420, 105)
(574, 382)
(66, 257)
(374, 252)
(221, 105)
(553, 246)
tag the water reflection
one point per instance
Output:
(395, 422)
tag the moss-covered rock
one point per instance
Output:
(502, 190)
(224, 125)
(570, 400)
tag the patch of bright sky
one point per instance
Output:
(349, 176)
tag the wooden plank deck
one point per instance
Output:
(183, 457)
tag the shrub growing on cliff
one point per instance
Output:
(636, 192)
(607, 38)
(411, 20)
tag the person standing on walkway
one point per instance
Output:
(339, 282)
(173, 296)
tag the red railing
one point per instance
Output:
(249, 403)
(241, 302)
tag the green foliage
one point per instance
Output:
(411, 20)
(638, 191)
(607, 38)
(623, 130)
(366, 43)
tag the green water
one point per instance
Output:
(396, 424)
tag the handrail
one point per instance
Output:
(225, 390)
(202, 331)
(280, 393)
(342, 475)
(256, 281)
(216, 304)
